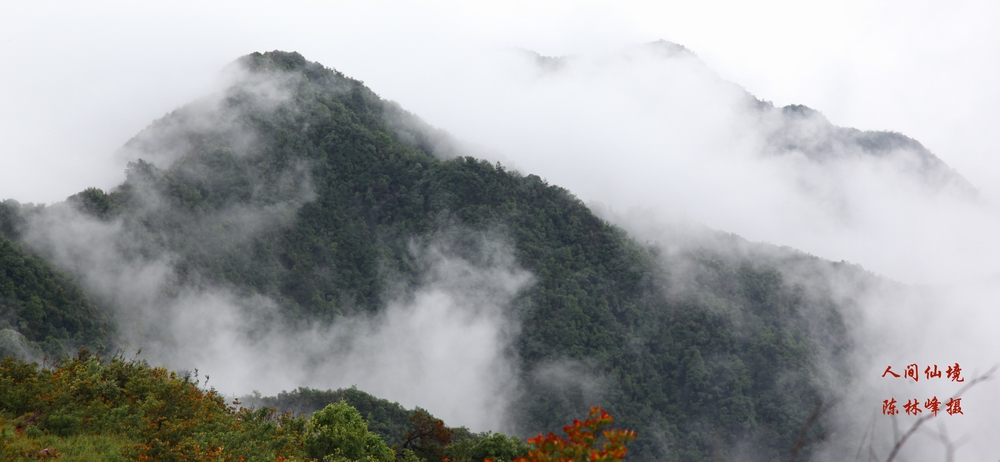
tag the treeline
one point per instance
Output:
(402, 429)
(87, 408)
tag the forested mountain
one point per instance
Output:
(302, 187)
(42, 311)
(795, 133)
(799, 129)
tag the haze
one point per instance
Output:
(654, 142)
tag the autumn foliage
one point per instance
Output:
(428, 436)
(581, 442)
(87, 408)
(127, 410)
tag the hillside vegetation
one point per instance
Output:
(42, 311)
(86, 408)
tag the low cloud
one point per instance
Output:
(661, 146)
(663, 133)
(443, 344)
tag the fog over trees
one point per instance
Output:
(718, 221)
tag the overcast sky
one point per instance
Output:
(78, 81)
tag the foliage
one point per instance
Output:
(128, 410)
(24, 444)
(413, 433)
(487, 445)
(581, 442)
(388, 419)
(12, 220)
(338, 433)
(49, 311)
(707, 348)
(427, 437)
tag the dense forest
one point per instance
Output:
(303, 186)
(42, 311)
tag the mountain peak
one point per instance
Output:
(274, 60)
(669, 49)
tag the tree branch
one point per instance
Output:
(920, 421)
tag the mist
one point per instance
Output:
(659, 142)
(444, 344)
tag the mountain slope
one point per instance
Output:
(42, 311)
(302, 187)
(673, 84)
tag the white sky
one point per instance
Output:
(78, 81)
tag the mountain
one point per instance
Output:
(42, 310)
(816, 148)
(296, 201)
(799, 129)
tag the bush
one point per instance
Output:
(338, 433)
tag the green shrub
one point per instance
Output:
(338, 433)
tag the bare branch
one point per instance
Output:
(868, 431)
(920, 421)
(949, 446)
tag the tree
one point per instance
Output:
(581, 443)
(428, 436)
(338, 433)
(494, 446)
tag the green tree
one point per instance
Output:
(338, 433)
(488, 445)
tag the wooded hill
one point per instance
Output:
(109, 409)
(715, 348)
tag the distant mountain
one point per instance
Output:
(300, 186)
(799, 129)
(796, 130)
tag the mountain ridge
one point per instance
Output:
(794, 129)
(302, 193)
